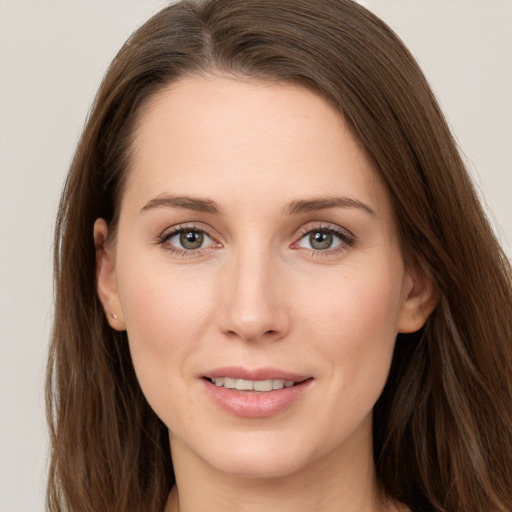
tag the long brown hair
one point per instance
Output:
(443, 425)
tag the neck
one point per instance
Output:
(340, 481)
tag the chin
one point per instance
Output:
(250, 455)
(261, 466)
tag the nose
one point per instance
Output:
(254, 300)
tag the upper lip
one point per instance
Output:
(237, 372)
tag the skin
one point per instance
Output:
(258, 293)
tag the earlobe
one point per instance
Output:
(420, 299)
(106, 285)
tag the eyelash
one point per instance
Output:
(346, 238)
(164, 238)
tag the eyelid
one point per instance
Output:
(168, 233)
(347, 238)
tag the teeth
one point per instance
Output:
(244, 385)
(229, 382)
(278, 384)
(263, 385)
(252, 385)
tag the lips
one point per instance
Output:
(255, 393)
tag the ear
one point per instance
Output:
(420, 299)
(106, 286)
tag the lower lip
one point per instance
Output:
(256, 404)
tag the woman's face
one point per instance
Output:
(256, 248)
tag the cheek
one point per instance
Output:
(166, 314)
(354, 323)
(362, 305)
(156, 296)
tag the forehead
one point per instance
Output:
(224, 136)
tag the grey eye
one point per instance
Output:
(320, 240)
(191, 239)
(188, 239)
(323, 239)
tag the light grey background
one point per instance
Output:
(52, 57)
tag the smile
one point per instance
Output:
(255, 393)
(252, 385)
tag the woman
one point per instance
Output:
(275, 286)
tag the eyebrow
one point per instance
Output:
(324, 203)
(294, 208)
(187, 202)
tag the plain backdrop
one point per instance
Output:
(52, 57)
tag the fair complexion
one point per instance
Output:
(256, 242)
